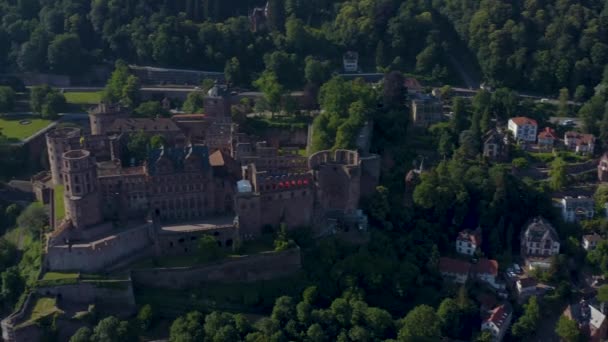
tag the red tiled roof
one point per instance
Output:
(412, 83)
(592, 237)
(189, 116)
(449, 265)
(486, 266)
(547, 133)
(468, 235)
(581, 139)
(219, 158)
(499, 315)
(527, 282)
(522, 120)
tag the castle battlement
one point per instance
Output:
(343, 157)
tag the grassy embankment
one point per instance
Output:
(15, 130)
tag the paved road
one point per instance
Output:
(468, 92)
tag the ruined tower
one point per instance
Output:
(217, 102)
(103, 116)
(58, 142)
(82, 196)
(337, 176)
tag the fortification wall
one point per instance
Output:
(285, 137)
(8, 324)
(294, 207)
(186, 243)
(117, 294)
(249, 268)
(93, 257)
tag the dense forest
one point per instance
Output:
(535, 45)
(542, 45)
(70, 36)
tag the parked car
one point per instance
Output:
(517, 269)
(544, 100)
(568, 123)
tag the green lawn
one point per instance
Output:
(44, 307)
(59, 276)
(83, 97)
(15, 131)
(59, 203)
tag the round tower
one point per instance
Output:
(82, 197)
(58, 142)
(103, 116)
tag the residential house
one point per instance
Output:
(495, 145)
(454, 269)
(350, 61)
(498, 322)
(590, 241)
(539, 242)
(525, 287)
(468, 242)
(426, 110)
(412, 85)
(486, 270)
(546, 139)
(579, 142)
(523, 129)
(602, 169)
(459, 271)
(578, 208)
(591, 321)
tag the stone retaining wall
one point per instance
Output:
(248, 268)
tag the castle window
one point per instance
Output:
(76, 178)
(229, 243)
(77, 189)
(67, 187)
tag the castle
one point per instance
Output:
(204, 181)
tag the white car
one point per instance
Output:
(544, 100)
(568, 123)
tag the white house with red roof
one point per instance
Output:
(523, 128)
(454, 269)
(498, 322)
(486, 270)
(459, 271)
(579, 142)
(468, 241)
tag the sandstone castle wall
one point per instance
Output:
(248, 268)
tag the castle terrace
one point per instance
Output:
(204, 225)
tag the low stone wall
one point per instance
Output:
(8, 324)
(113, 294)
(248, 268)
